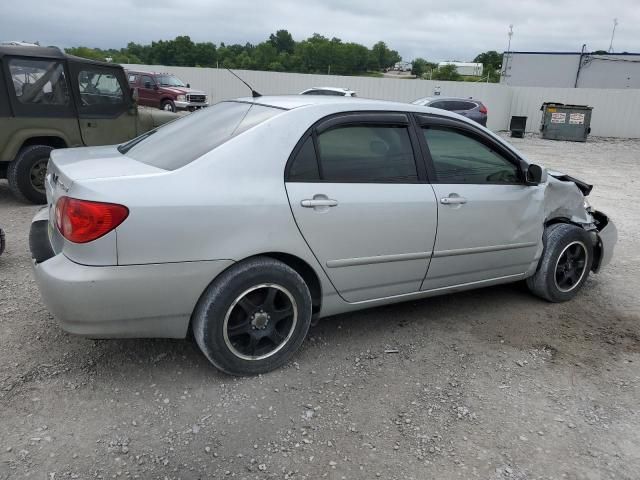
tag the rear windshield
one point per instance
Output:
(179, 143)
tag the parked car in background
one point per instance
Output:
(469, 107)
(330, 91)
(52, 100)
(241, 222)
(165, 91)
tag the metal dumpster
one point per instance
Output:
(565, 122)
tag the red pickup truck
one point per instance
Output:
(165, 91)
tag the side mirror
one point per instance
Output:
(147, 84)
(155, 86)
(535, 175)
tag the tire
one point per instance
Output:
(565, 264)
(168, 106)
(236, 309)
(26, 173)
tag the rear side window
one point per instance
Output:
(305, 164)
(39, 82)
(180, 142)
(366, 153)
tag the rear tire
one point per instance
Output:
(253, 317)
(565, 264)
(168, 106)
(26, 173)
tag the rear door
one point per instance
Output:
(363, 204)
(489, 222)
(106, 113)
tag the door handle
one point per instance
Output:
(453, 199)
(319, 202)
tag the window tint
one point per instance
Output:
(147, 79)
(441, 105)
(367, 154)
(461, 105)
(180, 142)
(40, 82)
(99, 87)
(305, 165)
(458, 158)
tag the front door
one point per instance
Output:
(489, 222)
(105, 110)
(148, 92)
(362, 203)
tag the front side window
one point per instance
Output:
(459, 158)
(147, 81)
(170, 81)
(39, 82)
(99, 87)
(367, 153)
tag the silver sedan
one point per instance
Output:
(245, 221)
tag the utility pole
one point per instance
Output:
(508, 54)
(613, 32)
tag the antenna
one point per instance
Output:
(613, 32)
(254, 94)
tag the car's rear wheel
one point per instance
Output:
(565, 264)
(26, 173)
(168, 106)
(253, 318)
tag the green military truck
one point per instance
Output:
(52, 100)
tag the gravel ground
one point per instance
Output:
(491, 384)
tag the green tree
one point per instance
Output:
(382, 57)
(491, 64)
(282, 41)
(446, 72)
(422, 66)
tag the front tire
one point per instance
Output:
(565, 264)
(253, 318)
(26, 173)
(168, 106)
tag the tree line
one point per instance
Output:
(279, 53)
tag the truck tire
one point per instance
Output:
(26, 173)
(565, 264)
(168, 106)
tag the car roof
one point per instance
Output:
(333, 89)
(145, 72)
(341, 104)
(46, 52)
(431, 99)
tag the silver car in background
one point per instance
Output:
(244, 221)
(468, 107)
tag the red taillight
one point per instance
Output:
(483, 109)
(82, 221)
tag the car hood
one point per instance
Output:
(181, 90)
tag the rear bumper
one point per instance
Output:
(153, 300)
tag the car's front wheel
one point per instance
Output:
(168, 106)
(565, 264)
(254, 317)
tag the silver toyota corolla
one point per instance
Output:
(246, 220)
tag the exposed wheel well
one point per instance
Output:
(307, 273)
(596, 244)
(55, 142)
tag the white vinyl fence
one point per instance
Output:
(616, 113)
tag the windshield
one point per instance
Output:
(170, 81)
(180, 142)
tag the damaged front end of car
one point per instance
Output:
(565, 202)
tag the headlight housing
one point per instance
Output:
(181, 98)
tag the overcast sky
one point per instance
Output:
(435, 30)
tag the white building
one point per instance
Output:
(465, 68)
(571, 69)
